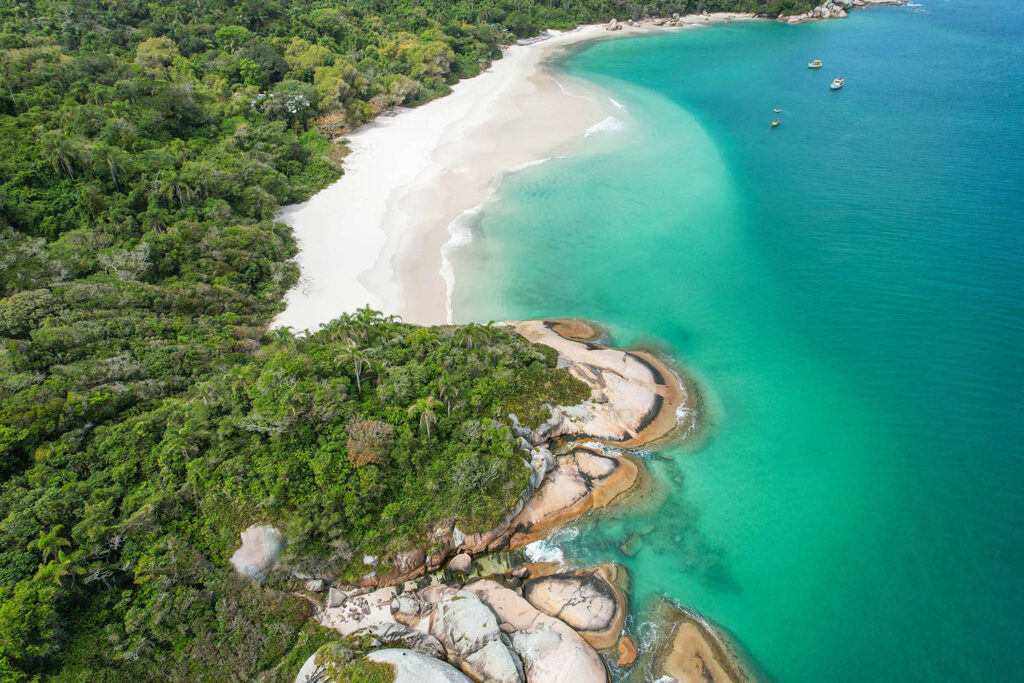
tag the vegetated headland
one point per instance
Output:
(148, 413)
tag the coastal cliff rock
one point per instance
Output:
(634, 396)
(835, 9)
(582, 480)
(551, 652)
(627, 650)
(613, 25)
(261, 546)
(577, 482)
(587, 600)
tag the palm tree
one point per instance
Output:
(447, 389)
(424, 409)
(339, 328)
(55, 570)
(420, 341)
(49, 543)
(60, 150)
(369, 319)
(468, 335)
(353, 354)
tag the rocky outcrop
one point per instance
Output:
(570, 485)
(634, 397)
(261, 547)
(613, 25)
(582, 480)
(466, 628)
(692, 649)
(835, 9)
(349, 611)
(551, 652)
(587, 600)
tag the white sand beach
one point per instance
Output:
(375, 236)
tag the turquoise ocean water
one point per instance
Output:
(849, 291)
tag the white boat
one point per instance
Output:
(836, 84)
(816, 64)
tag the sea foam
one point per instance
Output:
(608, 125)
(547, 549)
(460, 232)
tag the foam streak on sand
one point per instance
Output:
(375, 237)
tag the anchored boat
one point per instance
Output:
(837, 84)
(816, 64)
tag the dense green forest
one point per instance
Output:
(146, 412)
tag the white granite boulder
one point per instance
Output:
(412, 667)
(261, 546)
(408, 667)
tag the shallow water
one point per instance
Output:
(848, 290)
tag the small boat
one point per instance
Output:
(836, 84)
(816, 64)
(775, 123)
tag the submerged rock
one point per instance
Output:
(631, 546)
(627, 651)
(261, 546)
(692, 649)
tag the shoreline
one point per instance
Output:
(375, 237)
(382, 235)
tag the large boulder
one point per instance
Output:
(401, 636)
(407, 667)
(551, 652)
(588, 601)
(461, 563)
(412, 667)
(261, 546)
(466, 628)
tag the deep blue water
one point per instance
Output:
(849, 291)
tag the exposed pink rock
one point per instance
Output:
(551, 651)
